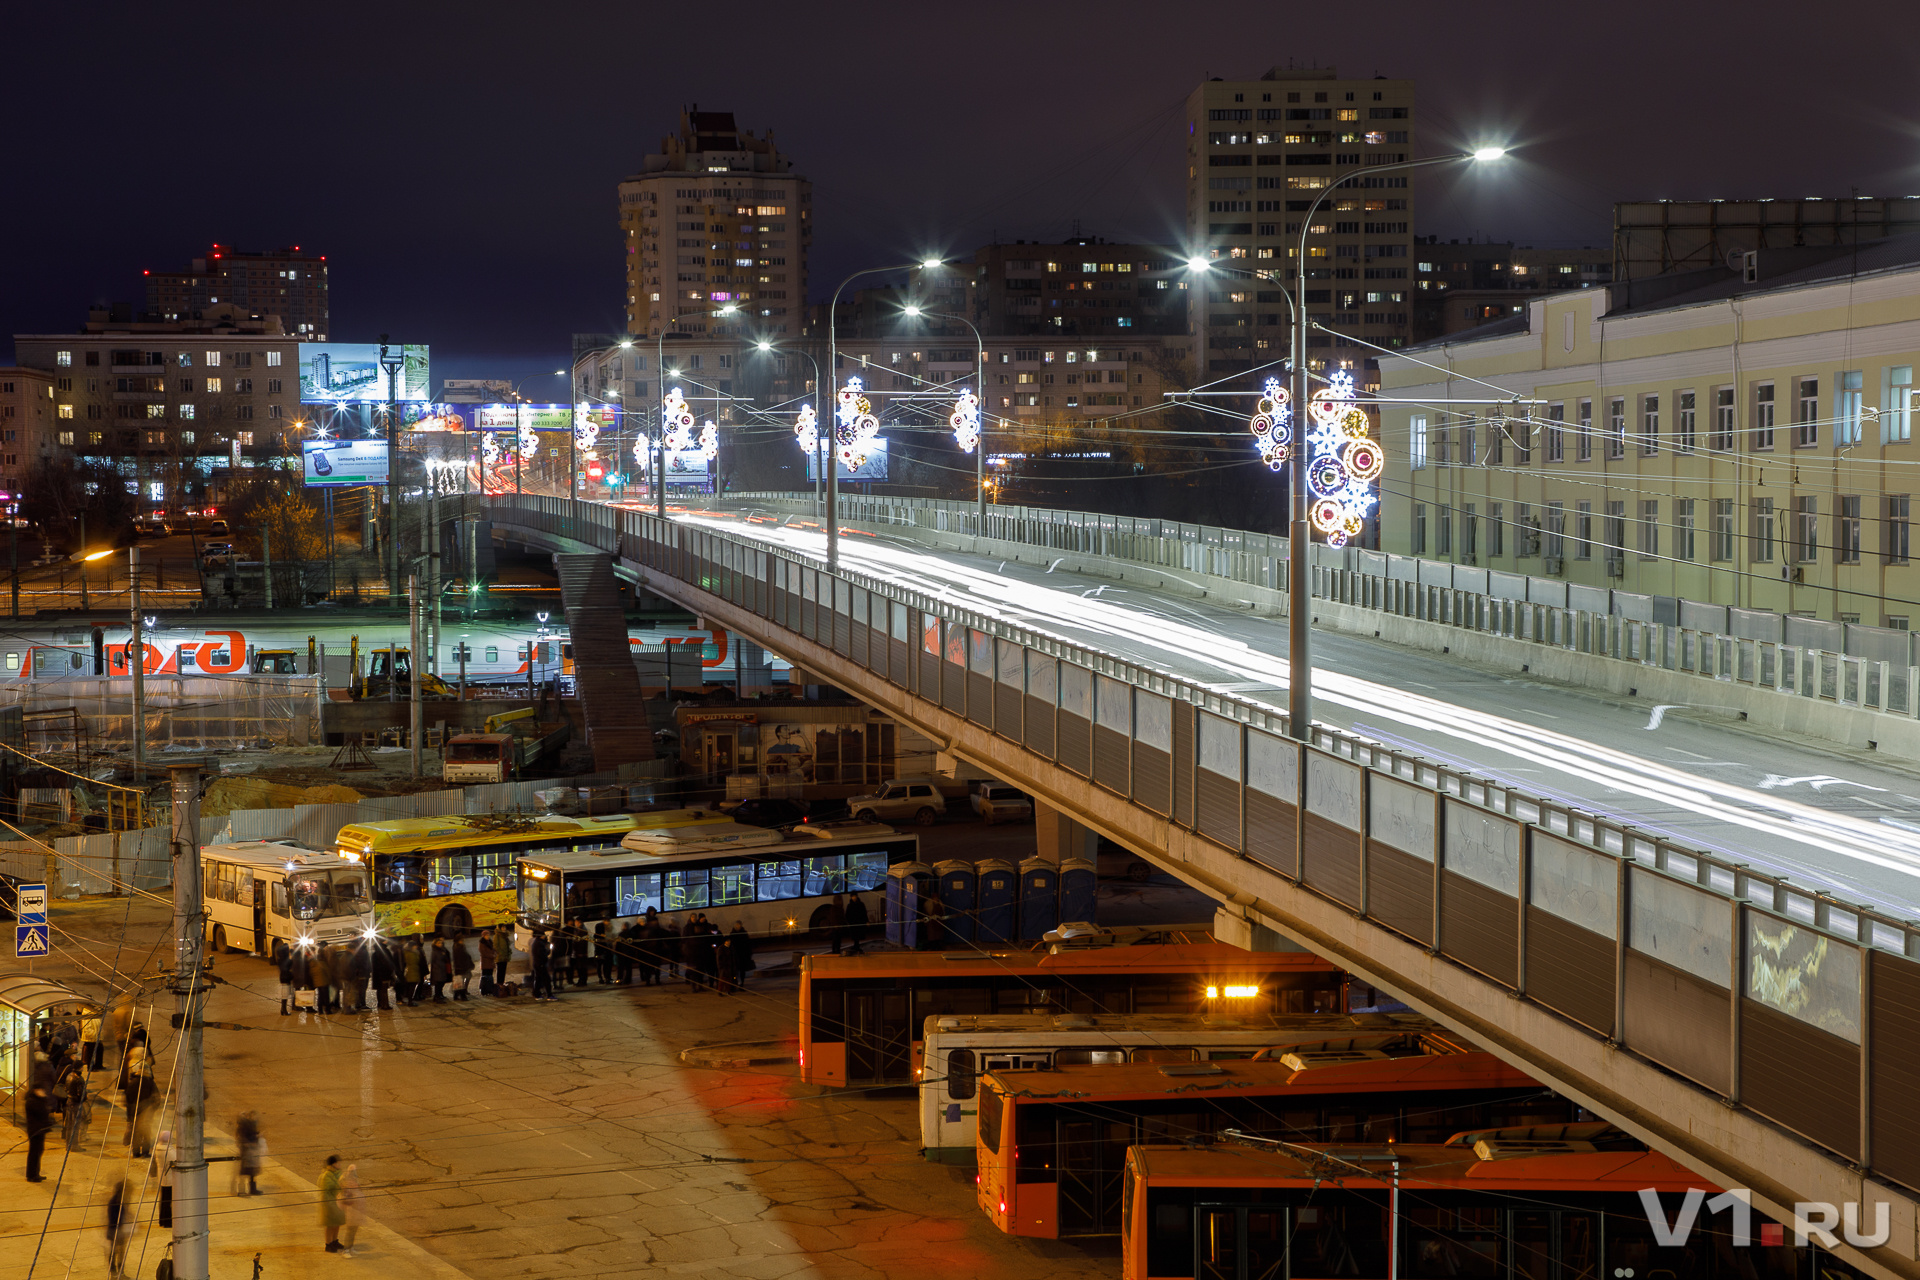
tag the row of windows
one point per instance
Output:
(1319, 95)
(1641, 424)
(181, 359)
(1792, 531)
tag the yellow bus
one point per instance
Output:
(458, 871)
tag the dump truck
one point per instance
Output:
(506, 745)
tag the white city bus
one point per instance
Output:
(258, 890)
(961, 1049)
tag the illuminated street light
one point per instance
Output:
(965, 419)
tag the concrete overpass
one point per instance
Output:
(1767, 1035)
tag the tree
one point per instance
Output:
(61, 491)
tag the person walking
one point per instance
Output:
(740, 944)
(832, 917)
(542, 966)
(413, 968)
(79, 1108)
(382, 969)
(487, 960)
(39, 1118)
(91, 1049)
(623, 958)
(855, 923)
(359, 969)
(136, 1085)
(253, 1150)
(161, 1171)
(283, 963)
(462, 968)
(352, 1210)
(502, 955)
(603, 951)
(332, 1215)
(439, 969)
(120, 1218)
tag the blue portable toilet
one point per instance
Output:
(1039, 898)
(907, 885)
(957, 882)
(996, 898)
(1079, 886)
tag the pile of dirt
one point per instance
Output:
(244, 792)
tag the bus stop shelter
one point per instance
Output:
(30, 1007)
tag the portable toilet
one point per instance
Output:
(907, 884)
(1039, 898)
(996, 898)
(957, 883)
(1079, 886)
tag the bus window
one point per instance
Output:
(778, 881)
(589, 897)
(540, 896)
(349, 892)
(687, 888)
(869, 870)
(991, 1107)
(732, 884)
(1166, 1055)
(827, 875)
(634, 894)
(960, 1073)
(494, 868)
(449, 873)
(279, 906)
(1077, 1057)
(401, 879)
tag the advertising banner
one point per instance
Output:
(874, 468)
(334, 371)
(686, 467)
(510, 417)
(339, 463)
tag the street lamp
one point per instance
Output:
(819, 412)
(833, 365)
(660, 366)
(980, 389)
(1300, 527)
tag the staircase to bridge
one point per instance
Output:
(605, 678)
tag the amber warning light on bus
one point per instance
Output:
(1232, 993)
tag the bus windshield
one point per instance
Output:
(318, 895)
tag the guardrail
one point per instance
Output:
(1789, 1002)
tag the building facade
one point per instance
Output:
(1463, 285)
(26, 425)
(717, 218)
(168, 404)
(1259, 152)
(1654, 237)
(1083, 287)
(1731, 437)
(289, 283)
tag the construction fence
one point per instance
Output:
(82, 715)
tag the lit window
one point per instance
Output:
(186, 413)
(273, 359)
(66, 437)
(156, 411)
(213, 359)
(63, 358)
(66, 411)
(213, 386)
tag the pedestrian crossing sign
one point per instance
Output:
(30, 942)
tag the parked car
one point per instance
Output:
(1114, 860)
(210, 551)
(903, 799)
(766, 812)
(217, 529)
(998, 802)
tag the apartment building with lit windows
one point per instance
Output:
(1731, 436)
(26, 425)
(287, 282)
(1258, 153)
(168, 404)
(716, 218)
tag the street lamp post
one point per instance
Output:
(832, 424)
(821, 419)
(1300, 525)
(980, 389)
(573, 470)
(660, 367)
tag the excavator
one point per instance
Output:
(394, 666)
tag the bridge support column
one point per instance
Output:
(1233, 927)
(1058, 835)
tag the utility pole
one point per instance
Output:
(83, 562)
(189, 1094)
(137, 664)
(13, 560)
(415, 672)
(266, 565)
(393, 367)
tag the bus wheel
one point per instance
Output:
(452, 922)
(220, 939)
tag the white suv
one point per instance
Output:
(998, 802)
(918, 799)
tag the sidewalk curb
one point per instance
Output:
(742, 1053)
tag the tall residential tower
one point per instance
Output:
(1258, 153)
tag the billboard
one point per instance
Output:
(874, 468)
(509, 417)
(687, 467)
(338, 463)
(334, 371)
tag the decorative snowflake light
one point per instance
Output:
(709, 441)
(585, 429)
(490, 447)
(676, 421)
(642, 450)
(855, 426)
(529, 438)
(1343, 462)
(806, 430)
(965, 421)
(1272, 425)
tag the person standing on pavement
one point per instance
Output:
(136, 1083)
(670, 948)
(380, 967)
(79, 1109)
(651, 942)
(623, 945)
(414, 971)
(502, 956)
(283, 962)
(542, 966)
(332, 1215)
(39, 1118)
(855, 923)
(253, 1150)
(832, 917)
(603, 951)
(352, 1210)
(559, 957)
(579, 953)
(91, 1054)
(740, 944)
(439, 969)
(359, 969)
(320, 974)
(120, 1217)
(462, 968)
(487, 959)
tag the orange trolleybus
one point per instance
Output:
(861, 1016)
(1052, 1145)
(1541, 1203)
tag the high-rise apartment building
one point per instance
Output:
(1258, 153)
(1083, 286)
(26, 425)
(288, 283)
(718, 218)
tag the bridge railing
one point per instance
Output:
(1786, 1001)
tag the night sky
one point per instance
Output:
(456, 163)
